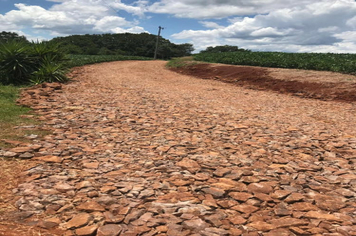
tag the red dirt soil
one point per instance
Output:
(259, 78)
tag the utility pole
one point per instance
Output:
(159, 33)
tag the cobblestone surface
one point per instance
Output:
(140, 150)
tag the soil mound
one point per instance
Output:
(259, 78)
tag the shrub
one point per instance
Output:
(16, 63)
(38, 62)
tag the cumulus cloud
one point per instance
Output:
(273, 25)
(74, 17)
(317, 26)
(208, 9)
(210, 24)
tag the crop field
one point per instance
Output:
(343, 63)
(81, 60)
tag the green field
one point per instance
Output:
(81, 60)
(343, 63)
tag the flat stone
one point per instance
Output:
(280, 194)
(90, 206)
(303, 206)
(261, 187)
(111, 218)
(237, 220)
(345, 192)
(321, 216)
(279, 232)
(240, 196)
(79, 220)
(281, 210)
(91, 165)
(220, 172)
(216, 192)
(47, 224)
(50, 159)
(63, 187)
(195, 224)
(287, 222)
(83, 184)
(133, 215)
(109, 230)
(261, 226)
(26, 155)
(9, 154)
(329, 203)
(201, 176)
(248, 209)
(214, 232)
(294, 197)
(189, 165)
(86, 230)
(21, 149)
(235, 231)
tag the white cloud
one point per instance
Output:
(73, 17)
(133, 30)
(317, 26)
(138, 8)
(107, 23)
(275, 25)
(210, 24)
(208, 9)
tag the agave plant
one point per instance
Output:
(42, 50)
(49, 71)
(38, 62)
(16, 63)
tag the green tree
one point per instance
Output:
(122, 44)
(11, 36)
(225, 48)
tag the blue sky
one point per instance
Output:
(260, 25)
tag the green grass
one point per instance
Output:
(343, 63)
(9, 111)
(10, 116)
(181, 62)
(81, 60)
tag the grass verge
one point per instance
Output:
(181, 62)
(81, 60)
(12, 115)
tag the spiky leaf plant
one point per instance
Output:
(37, 62)
(49, 71)
(16, 63)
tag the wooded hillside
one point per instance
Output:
(123, 44)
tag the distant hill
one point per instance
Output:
(122, 44)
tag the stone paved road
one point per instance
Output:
(140, 150)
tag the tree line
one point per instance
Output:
(123, 44)
(126, 44)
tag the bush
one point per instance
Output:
(38, 62)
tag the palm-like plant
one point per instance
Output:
(38, 62)
(49, 71)
(16, 63)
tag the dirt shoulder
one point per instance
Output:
(302, 83)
